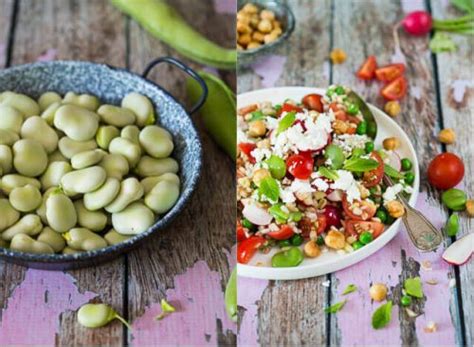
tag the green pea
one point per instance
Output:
(405, 300)
(320, 240)
(277, 167)
(288, 258)
(98, 315)
(409, 178)
(369, 147)
(382, 215)
(340, 90)
(335, 154)
(361, 128)
(284, 243)
(356, 245)
(247, 224)
(353, 109)
(454, 199)
(230, 297)
(365, 237)
(406, 164)
(297, 240)
(330, 92)
(373, 191)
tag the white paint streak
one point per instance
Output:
(459, 89)
(398, 56)
(415, 91)
(412, 5)
(326, 69)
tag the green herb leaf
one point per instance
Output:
(382, 315)
(295, 216)
(349, 289)
(452, 225)
(269, 187)
(336, 307)
(286, 122)
(360, 164)
(256, 115)
(328, 173)
(277, 166)
(464, 5)
(441, 42)
(413, 287)
(280, 216)
(335, 155)
(390, 171)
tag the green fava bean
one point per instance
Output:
(92, 220)
(60, 212)
(133, 220)
(130, 190)
(83, 239)
(29, 157)
(3, 243)
(70, 250)
(25, 199)
(10, 118)
(53, 174)
(8, 137)
(12, 181)
(30, 225)
(98, 315)
(231, 296)
(49, 113)
(88, 158)
(162, 197)
(36, 128)
(8, 215)
(89, 102)
(218, 112)
(84, 180)
(103, 196)
(277, 167)
(141, 106)
(48, 98)
(131, 151)
(105, 134)
(116, 116)
(156, 141)
(115, 165)
(288, 258)
(70, 147)
(454, 199)
(148, 166)
(52, 238)
(25, 243)
(132, 133)
(22, 103)
(41, 211)
(149, 182)
(77, 123)
(57, 156)
(6, 159)
(113, 237)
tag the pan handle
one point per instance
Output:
(187, 70)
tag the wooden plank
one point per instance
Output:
(76, 29)
(455, 78)
(6, 11)
(165, 266)
(398, 260)
(292, 312)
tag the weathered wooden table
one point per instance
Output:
(440, 95)
(189, 262)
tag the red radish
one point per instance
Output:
(460, 251)
(335, 195)
(257, 215)
(418, 23)
(394, 160)
(333, 216)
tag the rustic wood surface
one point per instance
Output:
(94, 30)
(291, 312)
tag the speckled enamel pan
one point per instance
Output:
(111, 84)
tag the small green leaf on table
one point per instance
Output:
(413, 287)
(382, 315)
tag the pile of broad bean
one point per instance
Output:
(77, 175)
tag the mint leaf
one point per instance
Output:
(335, 155)
(391, 172)
(286, 122)
(452, 225)
(360, 165)
(256, 115)
(413, 287)
(280, 216)
(328, 173)
(336, 307)
(295, 216)
(442, 43)
(349, 289)
(277, 166)
(382, 315)
(269, 187)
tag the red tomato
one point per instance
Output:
(247, 248)
(313, 102)
(300, 165)
(389, 72)
(367, 70)
(333, 106)
(333, 216)
(289, 107)
(355, 227)
(341, 115)
(322, 223)
(445, 171)
(284, 233)
(240, 233)
(396, 89)
(305, 224)
(368, 209)
(374, 177)
(247, 148)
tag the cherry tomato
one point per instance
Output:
(396, 89)
(290, 107)
(247, 109)
(300, 165)
(247, 248)
(240, 233)
(247, 148)
(313, 102)
(355, 227)
(418, 23)
(445, 171)
(284, 233)
(333, 216)
(374, 177)
(389, 72)
(368, 209)
(322, 223)
(305, 225)
(367, 70)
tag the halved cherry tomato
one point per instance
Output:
(247, 148)
(322, 223)
(396, 89)
(284, 233)
(367, 70)
(289, 107)
(445, 171)
(374, 177)
(388, 73)
(341, 115)
(247, 248)
(313, 102)
(300, 165)
(367, 209)
(240, 233)
(355, 227)
(305, 224)
(334, 106)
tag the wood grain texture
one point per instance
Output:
(6, 11)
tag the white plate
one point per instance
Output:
(330, 261)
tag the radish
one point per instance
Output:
(335, 195)
(460, 251)
(418, 23)
(257, 215)
(394, 160)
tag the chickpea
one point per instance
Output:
(378, 291)
(391, 143)
(335, 239)
(257, 128)
(250, 8)
(253, 45)
(392, 108)
(395, 208)
(257, 36)
(311, 249)
(259, 175)
(244, 40)
(243, 28)
(340, 127)
(276, 31)
(276, 24)
(270, 38)
(265, 26)
(240, 48)
(254, 21)
(267, 14)
(243, 17)
(470, 208)
(338, 56)
(447, 136)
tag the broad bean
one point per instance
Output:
(50, 112)
(60, 212)
(156, 141)
(77, 123)
(8, 137)
(141, 106)
(36, 128)
(6, 159)
(98, 315)
(22, 103)
(132, 133)
(83, 239)
(92, 220)
(84, 180)
(148, 166)
(29, 157)
(29, 224)
(127, 148)
(113, 237)
(52, 238)
(115, 165)
(105, 134)
(41, 211)
(149, 182)
(53, 174)
(25, 199)
(70, 250)
(117, 116)
(89, 102)
(10, 118)
(11, 181)
(103, 196)
(24, 243)
(57, 156)
(130, 190)
(68, 147)
(133, 220)
(8, 215)
(162, 197)
(48, 98)
(88, 158)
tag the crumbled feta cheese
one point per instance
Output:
(301, 186)
(272, 123)
(328, 162)
(350, 141)
(241, 137)
(391, 192)
(348, 184)
(261, 154)
(320, 184)
(287, 196)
